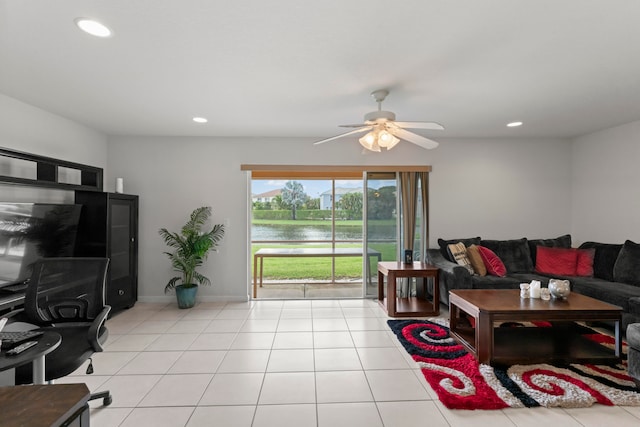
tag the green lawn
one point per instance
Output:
(318, 268)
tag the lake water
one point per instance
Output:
(320, 232)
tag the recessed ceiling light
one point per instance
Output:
(514, 124)
(93, 27)
(200, 120)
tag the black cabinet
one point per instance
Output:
(109, 228)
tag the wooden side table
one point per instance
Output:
(418, 306)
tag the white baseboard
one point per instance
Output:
(203, 298)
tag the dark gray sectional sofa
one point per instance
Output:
(616, 277)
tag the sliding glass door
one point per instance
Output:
(381, 225)
(319, 231)
(306, 238)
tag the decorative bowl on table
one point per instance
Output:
(559, 289)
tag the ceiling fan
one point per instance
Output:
(385, 131)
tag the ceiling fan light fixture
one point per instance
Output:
(378, 139)
(370, 141)
(393, 143)
(387, 140)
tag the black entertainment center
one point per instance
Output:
(99, 224)
(109, 228)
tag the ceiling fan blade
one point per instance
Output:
(420, 125)
(360, 130)
(353, 126)
(416, 139)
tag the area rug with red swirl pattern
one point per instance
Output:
(462, 383)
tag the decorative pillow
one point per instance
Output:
(627, 266)
(492, 262)
(444, 243)
(557, 261)
(604, 259)
(513, 253)
(458, 252)
(584, 264)
(563, 241)
(473, 253)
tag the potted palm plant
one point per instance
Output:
(191, 246)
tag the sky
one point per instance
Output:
(313, 187)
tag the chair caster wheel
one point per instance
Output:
(107, 401)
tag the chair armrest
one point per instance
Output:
(13, 313)
(94, 329)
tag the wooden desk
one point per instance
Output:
(44, 405)
(418, 306)
(35, 355)
(9, 301)
(263, 253)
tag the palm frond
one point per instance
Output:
(191, 248)
(171, 284)
(197, 220)
(199, 278)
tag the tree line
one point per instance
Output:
(382, 202)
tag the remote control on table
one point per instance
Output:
(22, 347)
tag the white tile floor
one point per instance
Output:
(281, 363)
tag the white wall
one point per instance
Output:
(495, 189)
(606, 185)
(503, 189)
(29, 129)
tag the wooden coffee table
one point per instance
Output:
(526, 345)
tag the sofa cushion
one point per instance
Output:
(559, 242)
(444, 243)
(584, 265)
(634, 306)
(616, 293)
(627, 266)
(473, 253)
(458, 252)
(604, 258)
(514, 254)
(494, 282)
(558, 261)
(494, 264)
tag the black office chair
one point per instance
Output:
(67, 296)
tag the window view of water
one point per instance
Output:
(292, 219)
(320, 232)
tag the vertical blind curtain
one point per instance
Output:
(409, 200)
(424, 229)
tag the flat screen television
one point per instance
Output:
(29, 231)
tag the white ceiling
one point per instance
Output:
(296, 68)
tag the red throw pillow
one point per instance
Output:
(584, 265)
(494, 264)
(558, 261)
